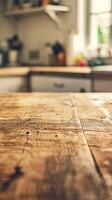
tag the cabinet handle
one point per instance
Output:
(59, 85)
(82, 90)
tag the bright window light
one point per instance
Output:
(100, 20)
(100, 5)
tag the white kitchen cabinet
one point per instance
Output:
(13, 84)
(102, 79)
(59, 84)
(102, 85)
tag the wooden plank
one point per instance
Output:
(101, 147)
(41, 157)
(94, 111)
(47, 161)
(47, 109)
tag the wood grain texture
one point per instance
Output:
(53, 148)
(95, 113)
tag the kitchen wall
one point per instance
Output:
(7, 27)
(36, 30)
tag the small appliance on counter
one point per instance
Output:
(54, 54)
(11, 51)
(58, 53)
(15, 49)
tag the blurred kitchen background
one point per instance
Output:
(55, 45)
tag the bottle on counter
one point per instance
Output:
(59, 53)
(47, 54)
(13, 58)
(15, 49)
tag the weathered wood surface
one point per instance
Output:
(55, 146)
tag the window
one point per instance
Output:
(100, 23)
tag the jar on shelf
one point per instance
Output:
(45, 2)
(55, 2)
(36, 3)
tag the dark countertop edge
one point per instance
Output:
(62, 74)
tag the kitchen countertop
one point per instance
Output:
(14, 71)
(52, 70)
(85, 71)
(56, 146)
(103, 69)
(102, 73)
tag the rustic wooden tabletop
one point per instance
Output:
(55, 146)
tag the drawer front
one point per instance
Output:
(13, 84)
(103, 86)
(58, 84)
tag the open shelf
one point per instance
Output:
(26, 11)
(50, 10)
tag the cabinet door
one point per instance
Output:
(13, 84)
(102, 86)
(59, 84)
